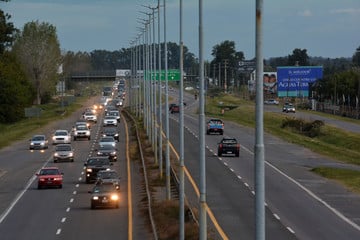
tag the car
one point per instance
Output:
(271, 102)
(90, 117)
(114, 113)
(111, 132)
(288, 107)
(61, 136)
(108, 176)
(81, 131)
(81, 122)
(95, 164)
(104, 195)
(175, 109)
(228, 145)
(108, 151)
(49, 177)
(63, 152)
(215, 125)
(38, 142)
(171, 106)
(110, 121)
(107, 141)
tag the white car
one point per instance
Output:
(61, 136)
(81, 131)
(115, 113)
(63, 152)
(90, 116)
(272, 102)
(110, 121)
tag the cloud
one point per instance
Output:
(305, 13)
(346, 11)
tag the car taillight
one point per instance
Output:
(220, 146)
(238, 146)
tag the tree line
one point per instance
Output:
(30, 59)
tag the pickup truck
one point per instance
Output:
(228, 146)
(215, 126)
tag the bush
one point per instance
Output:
(310, 129)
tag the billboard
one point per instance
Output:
(294, 81)
(270, 82)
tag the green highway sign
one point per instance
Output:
(173, 75)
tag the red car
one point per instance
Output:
(50, 177)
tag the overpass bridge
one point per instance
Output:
(93, 76)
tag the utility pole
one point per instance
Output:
(226, 61)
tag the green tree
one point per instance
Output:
(16, 92)
(79, 62)
(7, 31)
(226, 56)
(356, 57)
(298, 57)
(38, 49)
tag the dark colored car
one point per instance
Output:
(228, 146)
(93, 165)
(104, 195)
(111, 132)
(175, 109)
(107, 151)
(50, 177)
(108, 176)
(215, 125)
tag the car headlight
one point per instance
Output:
(56, 154)
(95, 198)
(31, 143)
(54, 138)
(71, 154)
(114, 197)
(113, 153)
(42, 144)
(116, 135)
(88, 170)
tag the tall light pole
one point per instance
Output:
(167, 130)
(181, 120)
(202, 212)
(160, 96)
(259, 130)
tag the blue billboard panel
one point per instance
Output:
(294, 81)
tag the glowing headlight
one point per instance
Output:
(114, 197)
(71, 154)
(42, 144)
(88, 170)
(95, 198)
(54, 138)
(56, 154)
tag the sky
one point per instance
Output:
(325, 28)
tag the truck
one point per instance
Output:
(228, 145)
(215, 125)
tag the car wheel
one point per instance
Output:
(219, 153)
(60, 186)
(74, 138)
(72, 160)
(55, 161)
(93, 206)
(89, 138)
(117, 205)
(237, 154)
(39, 187)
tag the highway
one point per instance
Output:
(29, 213)
(300, 204)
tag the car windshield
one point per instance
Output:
(49, 172)
(107, 139)
(61, 133)
(98, 161)
(81, 127)
(38, 138)
(104, 188)
(107, 175)
(60, 148)
(109, 130)
(106, 147)
(215, 121)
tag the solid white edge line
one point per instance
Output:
(336, 212)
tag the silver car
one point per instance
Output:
(110, 121)
(63, 152)
(39, 142)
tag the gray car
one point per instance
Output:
(39, 142)
(63, 152)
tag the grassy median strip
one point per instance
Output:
(347, 177)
